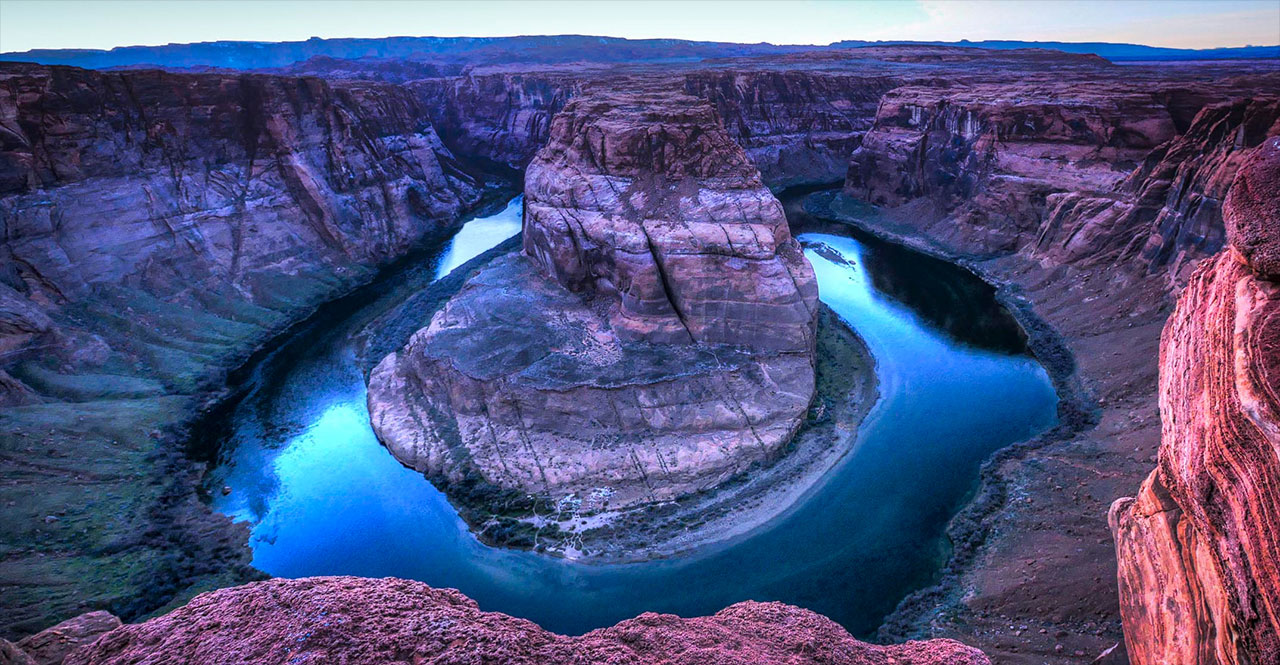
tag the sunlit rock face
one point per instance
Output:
(655, 337)
(1199, 548)
(375, 622)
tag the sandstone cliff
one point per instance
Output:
(1167, 213)
(356, 620)
(155, 228)
(239, 196)
(989, 153)
(797, 127)
(1199, 548)
(655, 339)
(1073, 172)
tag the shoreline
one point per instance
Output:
(708, 521)
(966, 531)
(1031, 576)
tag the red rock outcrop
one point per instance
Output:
(655, 339)
(1199, 548)
(645, 199)
(51, 646)
(367, 621)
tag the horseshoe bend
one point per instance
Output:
(585, 349)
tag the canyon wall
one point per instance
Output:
(1073, 172)
(655, 338)
(1199, 548)
(797, 127)
(157, 228)
(240, 197)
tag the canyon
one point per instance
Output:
(160, 226)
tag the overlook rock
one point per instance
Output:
(655, 338)
(359, 620)
(1198, 548)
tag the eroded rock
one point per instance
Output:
(359, 620)
(1199, 548)
(52, 645)
(655, 339)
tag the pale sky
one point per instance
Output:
(28, 24)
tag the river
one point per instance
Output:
(322, 496)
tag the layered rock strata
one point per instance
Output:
(357, 620)
(655, 338)
(154, 229)
(1199, 547)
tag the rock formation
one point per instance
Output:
(154, 229)
(655, 338)
(367, 621)
(797, 127)
(51, 646)
(992, 152)
(1167, 213)
(1199, 548)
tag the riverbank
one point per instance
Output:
(1032, 578)
(102, 498)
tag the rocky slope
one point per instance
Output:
(156, 228)
(1033, 579)
(1199, 548)
(655, 338)
(357, 620)
(989, 153)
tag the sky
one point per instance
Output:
(29, 24)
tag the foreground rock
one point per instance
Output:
(357, 620)
(51, 646)
(655, 339)
(1199, 548)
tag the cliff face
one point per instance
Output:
(503, 118)
(656, 338)
(797, 127)
(1167, 213)
(347, 619)
(1199, 548)
(989, 154)
(155, 228)
(251, 192)
(1072, 172)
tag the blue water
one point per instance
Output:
(323, 497)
